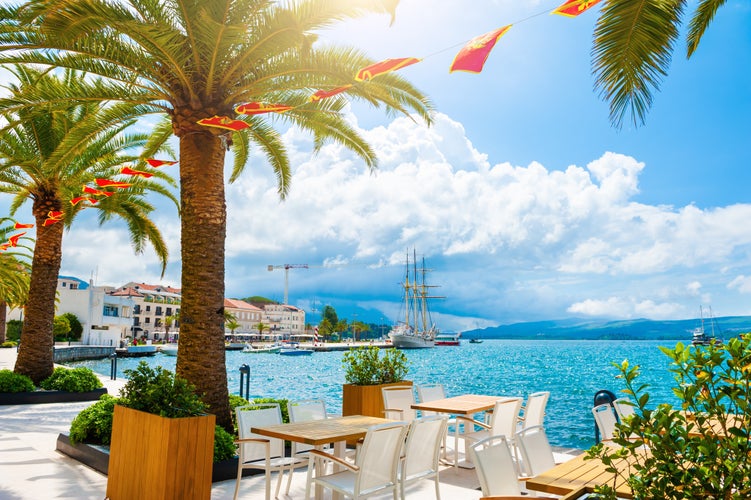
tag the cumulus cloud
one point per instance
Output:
(507, 241)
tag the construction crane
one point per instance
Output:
(286, 268)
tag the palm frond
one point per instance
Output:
(701, 19)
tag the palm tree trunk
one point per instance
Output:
(3, 319)
(35, 357)
(201, 356)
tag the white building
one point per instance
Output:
(284, 319)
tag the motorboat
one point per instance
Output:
(168, 349)
(295, 351)
(269, 349)
(447, 338)
(475, 341)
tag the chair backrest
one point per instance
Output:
(623, 408)
(505, 417)
(430, 392)
(534, 409)
(495, 467)
(423, 447)
(537, 453)
(259, 415)
(303, 411)
(379, 455)
(605, 420)
(400, 398)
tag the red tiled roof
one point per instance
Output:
(239, 304)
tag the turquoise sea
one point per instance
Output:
(573, 371)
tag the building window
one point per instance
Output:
(136, 321)
(110, 311)
(73, 286)
(137, 309)
(147, 320)
(168, 311)
(158, 310)
(148, 308)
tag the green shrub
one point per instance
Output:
(365, 366)
(9, 343)
(224, 445)
(159, 391)
(15, 382)
(282, 406)
(94, 424)
(79, 379)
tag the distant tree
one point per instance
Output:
(13, 329)
(170, 321)
(61, 328)
(342, 325)
(325, 328)
(233, 325)
(76, 328)
(257, 299)
(358, 329)
(329, 313)
(262, 328)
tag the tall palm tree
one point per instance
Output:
(47, 155)
(14, 275)
(197, 59)
(634, 41)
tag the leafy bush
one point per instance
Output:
(282, 406)
(695, 451)
(159, 391)
(365, 366)
(15, 382)
(71, 380)
(9, 343)
(94, 424)
(224, 444)
(13, 329)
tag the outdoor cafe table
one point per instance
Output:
(466, 405)
(337, 430)
(579, 474)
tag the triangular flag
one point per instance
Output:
(13, 240)
(473, 55)
(111, 183)
(324, 94)
(379, 68)
(79, 199)
(257, 108)
(223, 122)
(18, 225)
(140, 173)
(91, 190)
(158, 163)
(573, 8)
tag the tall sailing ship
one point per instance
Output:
(417, 331)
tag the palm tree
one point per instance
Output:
(47, 155)
(634, 42)
(195, 60)
(14, 277)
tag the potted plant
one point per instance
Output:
(699, 449)
(64, 385)
(366, 371)
(162, 442)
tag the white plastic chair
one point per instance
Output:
(398, 401)
(623, 408)
(422, 451)
(433, 392)
(605, 420)
(374, 471)
(503, 421)
(534, 409)
(303, 411)
(537, 454)
(495, 467)
(260, 452)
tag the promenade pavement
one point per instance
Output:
(30, 468)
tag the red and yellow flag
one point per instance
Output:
(258, 108)
(53, 216)
(13, 240)
(379, 68)
(4, 247)
(79, 199)
(224, 122)
(97, 192)
(158, 163)
(472, 57)
(140, 173)
(573, 8)
(18, 225)
(110, 183)
(325, 94)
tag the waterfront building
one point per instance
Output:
(247, 316)
(156, 310)
(284, 320)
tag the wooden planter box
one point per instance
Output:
(153, 457)
(365, 399)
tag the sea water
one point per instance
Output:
(572, 370)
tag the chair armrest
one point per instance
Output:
(251, 440)
(327, 456)
(471, 421)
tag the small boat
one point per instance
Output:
(447, 338)
(168, 349)
(475, 341)
(270, 349)
(699, 336)
(295, 351)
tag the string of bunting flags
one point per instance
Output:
(471, 58)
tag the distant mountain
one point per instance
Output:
(637, 329)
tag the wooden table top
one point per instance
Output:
(320, 432)
(578, 474)
(466, 404)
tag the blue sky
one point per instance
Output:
(525, 201)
